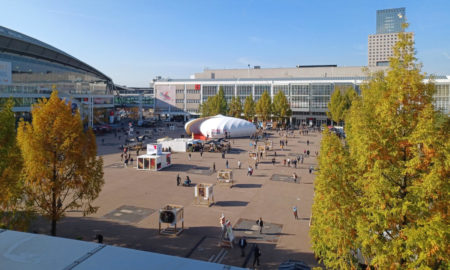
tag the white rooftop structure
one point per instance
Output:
(25, 251)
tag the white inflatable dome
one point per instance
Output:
(216, 126)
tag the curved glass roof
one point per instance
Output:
(18, 43)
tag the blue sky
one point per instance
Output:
(134, 41)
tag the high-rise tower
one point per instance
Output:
(389, 24)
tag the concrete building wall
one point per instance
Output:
(380, 48)
(302, 72)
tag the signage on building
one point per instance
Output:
(166, 94)
(154, 149)
(5, 73)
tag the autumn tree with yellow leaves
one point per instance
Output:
(61, 167)
(397, 148)
(12, 205)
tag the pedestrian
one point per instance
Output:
(294, 175)
(214, 166)
(239, 164)
(302, 159)
(256, 165)
(201, 153)
(226, 164)
(121, 157)
(289, 162)
(284, 162)
(131, 161)
(125, 163)
(311, 169)
(260, 223)
(286, 142)
(99, 238)
(307, 153)
(275, 153)
(295, 163)
(189, 156)
(307, 142)
(249, 171)
(178, 179)
(242, 245)
(273, 161)
(295, 212)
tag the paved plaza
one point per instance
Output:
(130, 201)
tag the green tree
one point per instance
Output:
(335, 207)
(264, 107)
(205, 107)
(214, 105)
(340, 103)
(235, 109)
(61, 168)
(281, 107)
(11, 184)
(249, 108)
(220, 103)
(399, 150)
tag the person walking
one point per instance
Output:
(289, 162)
(311, 169)
(226, 164)
(295, 163)
(273, 161)
(178, 179)
(239, 164)
(295, 177)
(189, 156)
(256, 165)
(242, 245)
(214, 167)
(201, 153)
(260, 223)
(256, 255)
(294, 209)
(307, 142)
(125, 163)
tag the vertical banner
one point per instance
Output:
(5, 73)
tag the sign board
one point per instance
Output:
(154, 149)
(166, 94)
(5, 73)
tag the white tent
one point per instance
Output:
(219, 125)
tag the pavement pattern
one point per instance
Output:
(130, 200)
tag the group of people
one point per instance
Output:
(187, 182)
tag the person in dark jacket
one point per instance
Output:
(256, 255)
(260, 223)
(242, 245)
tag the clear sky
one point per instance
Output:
(134, 41)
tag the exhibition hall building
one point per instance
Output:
(30, 69)
(308, 89)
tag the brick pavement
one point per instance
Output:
(250, 198)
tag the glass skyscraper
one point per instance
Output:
(390, 20)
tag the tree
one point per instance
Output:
(249, 108)
(11, 185)
(220, 103)
(214, 105)
(399, 150)
(235, 109)
(281, 107)
(205, 107)
(264, 107)
(61, 168)
(340, 104)
(335, 208)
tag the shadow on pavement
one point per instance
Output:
(247, 186)
(230, 203)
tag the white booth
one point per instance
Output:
(178, 145)
(155, 159)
